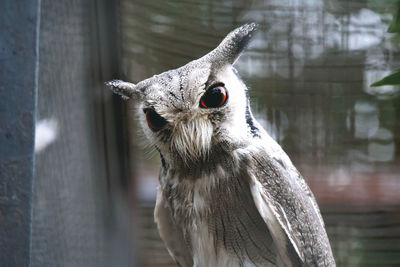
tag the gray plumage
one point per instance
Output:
(228, 194)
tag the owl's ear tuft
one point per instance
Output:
(229, 50)
(125, 89)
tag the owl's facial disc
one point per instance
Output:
(192, 109)
(187, 121)
(184, 131)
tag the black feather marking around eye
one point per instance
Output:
(154, 120)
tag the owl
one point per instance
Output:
(228, 194)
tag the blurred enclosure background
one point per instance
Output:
(309, 71)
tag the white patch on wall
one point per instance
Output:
(45, 133)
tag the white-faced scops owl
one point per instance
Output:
(228, 194)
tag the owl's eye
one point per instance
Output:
(154, 120)
(214, 97)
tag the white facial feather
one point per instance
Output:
(235, 127)
(192, 138)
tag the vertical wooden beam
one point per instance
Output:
(19, 24)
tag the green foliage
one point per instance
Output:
(394, 26)
(391, 79)
(394, 78)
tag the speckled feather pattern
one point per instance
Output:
(228, 195)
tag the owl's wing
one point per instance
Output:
(288, 207)
(170, 234)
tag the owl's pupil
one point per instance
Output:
(154, 120)
(214, 97)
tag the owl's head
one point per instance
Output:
(189, 112)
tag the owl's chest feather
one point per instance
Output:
(207, 252)
(219, 220)
(206, 228)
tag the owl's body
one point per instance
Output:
(228, 194)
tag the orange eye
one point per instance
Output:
(214, 97)
(154, 120)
